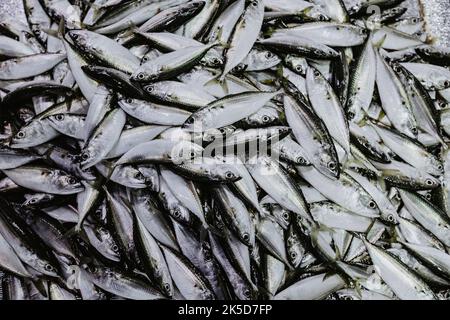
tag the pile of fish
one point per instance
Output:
(220, 149)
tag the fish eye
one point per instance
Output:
(415, 20)
(85, 155)
(285, 216)
(447, 83)
(48, 267)
(141, 76)
(298, 68)
(71, 180)
(331, 165)
(255, 3)
(167, 287)
(145, 59)
(363, 31)
(300, 160)
(20, 134)
(229, 175)
(215, 61)
(268, 54)
(322, 17)
(59, 117)
(74, 36)
(348, 298)
(115, 248)
(293, 255)
(246, 237)
(247, 293)
(316, 73)
(149, 89)
(177, 213)
(129, 100)
(390, 218)
(265, 119)
(33, 201)
(440, 167)
(414, 130)
(428, 196)
(190, 120)
(429, 182)
(372, 205)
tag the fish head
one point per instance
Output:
(95, 71)
(80, 38)
(150, 172)
(266, 57)
(280, 132)
(128, 103)
(368, 203)
(435, 166)
(315, 78)
(27, 135)
(194, 122)
(68, 182)
(57, 120)
(167, 288)
(180, 213)
(390, 217)
(429, 181)
(409, 128)
(37, 199)
(295, 249)
(244, 290)
(211, 135)
(227, 172)
(266, 116)
(47, 267)
(109, 245)
(86, 156)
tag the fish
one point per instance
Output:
(244, 35)
(27, 66)
(103, 138)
